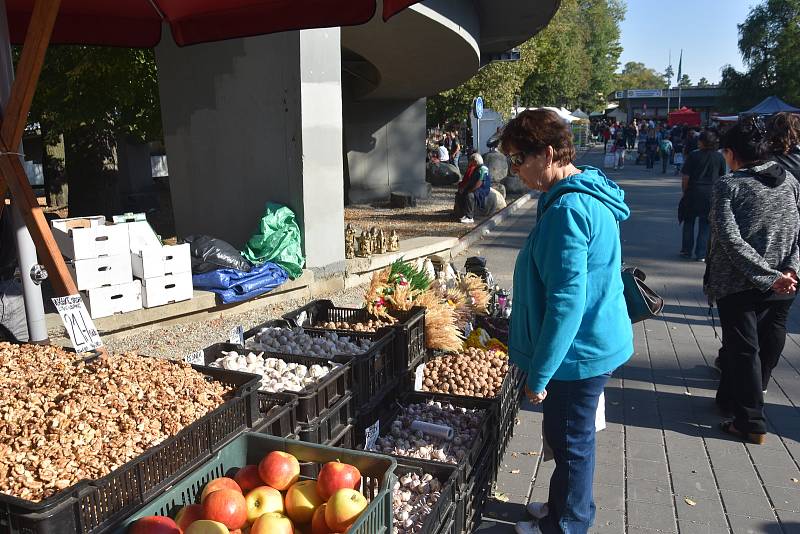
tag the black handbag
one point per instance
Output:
(642, 302)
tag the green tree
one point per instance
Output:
(685, 81)
(602, 19)
(769, 41)
(703, 82)
(93, 96)
(636, 75)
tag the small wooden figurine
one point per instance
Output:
(382, 243)
(349, 242)
(373, 235)
(365, 245)
(394, 241)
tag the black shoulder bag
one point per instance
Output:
(642, 302)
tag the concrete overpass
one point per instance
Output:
(315, 117)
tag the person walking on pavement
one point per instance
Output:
(651, 148)
(702, 168)
(751, 272)
(665, 150)
(606, 133)
(570, 327)
(619, 145)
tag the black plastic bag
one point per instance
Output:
(209, 254)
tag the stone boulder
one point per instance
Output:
(500, 189)
(494, 203)
(514, 185)
(442, 174)
(497, 164)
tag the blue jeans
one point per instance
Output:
(692, 245)
(569, 414)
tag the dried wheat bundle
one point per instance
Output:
(441, 331)
(477, 292)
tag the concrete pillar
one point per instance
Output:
(247, 121)
(385, 144)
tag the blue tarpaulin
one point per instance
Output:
(237, 286)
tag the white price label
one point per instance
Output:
(196, 358)
(302, 318)
(371, 435)
(237, 335)
(419, 374)
(78, 323)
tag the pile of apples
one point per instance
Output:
(269, 498)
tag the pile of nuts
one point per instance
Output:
(63, 420)
(296, 341)
(474, 373)
(402, 441)
(371, 325)
(413, 499)
(277, 375)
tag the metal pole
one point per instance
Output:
(26, 250)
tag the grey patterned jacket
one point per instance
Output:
(754, 223)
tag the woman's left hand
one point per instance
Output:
(535, 398)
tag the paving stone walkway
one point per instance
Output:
(662, 464)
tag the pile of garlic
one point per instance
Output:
(413, 498)
(297, 341)
(403, 441)
(277, 375)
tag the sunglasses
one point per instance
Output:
(517, 158)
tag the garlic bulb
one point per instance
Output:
(277, 375)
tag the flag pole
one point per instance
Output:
(669, 81)
(680, 87)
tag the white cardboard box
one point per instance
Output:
(141, 235)
(105, 301)
(82, 238)
(158, 261)
(166, 289)
(103, 271)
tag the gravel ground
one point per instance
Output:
(179, 340)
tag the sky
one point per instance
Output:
(705, 29)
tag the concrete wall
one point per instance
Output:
(252, 120)
(385, 142)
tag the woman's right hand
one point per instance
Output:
(786, 284)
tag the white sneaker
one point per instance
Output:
(537, 509)
(526, 527)
(467, 220)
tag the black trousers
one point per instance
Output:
(753, 336)
(465, 205)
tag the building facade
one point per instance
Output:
(656, 103)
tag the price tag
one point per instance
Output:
(419, 375)
(302, 318)
(78, 323)
(371, 435)
(196, 358)
(237, 335)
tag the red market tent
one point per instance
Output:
(138, 23)
(134, 23)
(684, 116)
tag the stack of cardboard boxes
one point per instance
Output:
(104, 258)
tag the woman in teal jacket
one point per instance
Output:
(570, 327)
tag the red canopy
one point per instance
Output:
(684, 116)
(137, 23)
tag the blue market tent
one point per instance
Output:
(770, 106)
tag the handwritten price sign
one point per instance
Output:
(78, 323)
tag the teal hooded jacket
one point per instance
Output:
(570, 321)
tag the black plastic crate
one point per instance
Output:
(91, 506)
(409, 342)
(476, 492)
(377, 409)
(315, 400)
(450, 525)
(327, 427)
(438, 517)
(343, 440)
(371, 372)
(277, 414)
(486, 433)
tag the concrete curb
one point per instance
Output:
(485, 228)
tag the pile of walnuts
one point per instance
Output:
(372, 325)
(63, 420)
(474, 373)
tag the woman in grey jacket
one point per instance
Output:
(751, 272)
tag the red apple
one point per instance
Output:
(247, 477)
(279, 470)
(154, 524)
(272, 524)
(318, 524)
(188, 515)
(227, 507)
(218, 484)
(343, 509)
(263, 500)
(336, 475)
(204, 526)
(301, 500)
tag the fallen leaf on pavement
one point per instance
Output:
(515, 471)
(689, 501)
(502, 497)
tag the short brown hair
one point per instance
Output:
(532, 131)
(783, 132)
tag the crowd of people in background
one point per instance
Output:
(444, 147)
